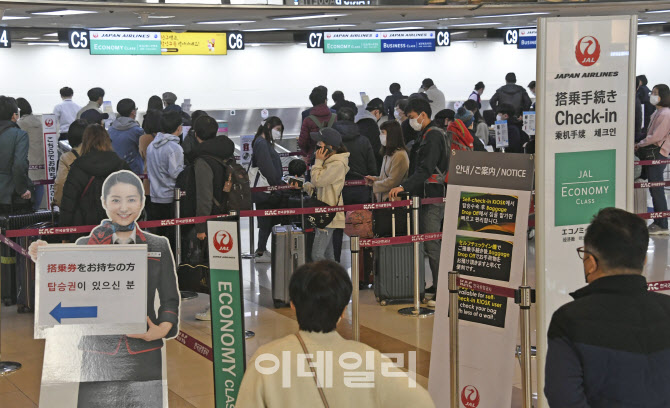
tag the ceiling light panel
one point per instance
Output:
(226, 22)
(307, 17)
(406, 22)
(66, 12)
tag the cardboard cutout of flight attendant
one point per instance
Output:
(127, 370)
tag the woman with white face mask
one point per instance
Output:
(395, 165)
(658, 138)
(268, 172)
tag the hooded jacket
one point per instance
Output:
(165, 160)
(610, 347)
(221, 148)
(344, 104)
(305, 142)
(125, 133)
(362, 161)
(511, 94)
(328, 180)
(428, 153)
(14, 144)
(368, 127)
(93, 164)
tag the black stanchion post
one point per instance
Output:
(453, 338)
(185, 294)
(355, 278)
(6, 367)
(233, 213)
(416, 309)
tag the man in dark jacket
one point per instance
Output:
(368, 126)
(390, 100)
(319, 116)
(209, 171)
(428, 156)
(516, 136)
(511, 94)
(340, 102)
(610, 347)
(169, 100)
(15, 185)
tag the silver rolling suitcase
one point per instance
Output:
(640, 199)
(288, 253)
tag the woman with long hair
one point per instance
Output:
(81, 204)
(268, 172)
(395, 164)
(125, 371)
(658, 136)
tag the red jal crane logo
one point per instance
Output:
(49, 122)
(587, 51)
(470, 396)
(223, 242)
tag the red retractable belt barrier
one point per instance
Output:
(195, 345)
(487, 288)
(651, 162)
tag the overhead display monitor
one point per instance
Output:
(159, 43)
(375, 41)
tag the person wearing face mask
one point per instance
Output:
(125, 370)
(610, 346)
(368, 124)
(408, 134)
(390, 102)
(461, 133)
(267, 160)
(395, 165)
(429, 163)
(658, 135)
(328, 173)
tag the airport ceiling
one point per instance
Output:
(466, 21)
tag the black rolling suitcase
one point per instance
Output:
(394, 271)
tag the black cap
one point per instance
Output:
(328, 136)
(94, 116)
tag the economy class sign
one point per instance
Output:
(193, 44)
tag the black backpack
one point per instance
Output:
(236, 189)
(186, 182)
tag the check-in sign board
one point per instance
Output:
(96, 289)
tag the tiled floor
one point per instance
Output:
(190, 375)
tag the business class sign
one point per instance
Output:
(371, 41)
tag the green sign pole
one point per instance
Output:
(227, 310)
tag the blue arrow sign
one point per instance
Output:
(78, 312)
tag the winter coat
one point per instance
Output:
(305, 142)
(643, 93)
(328, 181)
(362, 161)
(222, 148)
(394, 170)
(185, 117)
(610, 347)
(90, 105)
(428, 152)
(511, 94)
(409, 135)
(64, 165)
(165, 160)
(266, 158)
(125, 133)
(33, 125)
(93, 164)
(368, 127)
(14, 146)
(517, 138)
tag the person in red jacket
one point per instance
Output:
(320, 116)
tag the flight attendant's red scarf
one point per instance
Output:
(102, 235)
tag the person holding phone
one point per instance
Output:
(395, 165)
(328, 173)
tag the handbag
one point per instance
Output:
(359, 223)
(320, 220)
(258, 178)
(650, 152)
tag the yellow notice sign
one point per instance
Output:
(193, 44)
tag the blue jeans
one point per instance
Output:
(39, 194)
(323, 245)
(655, 173)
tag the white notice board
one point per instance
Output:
(96, 289)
